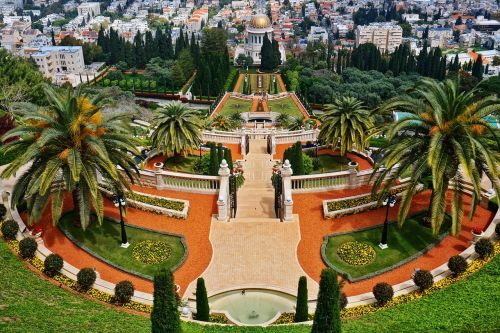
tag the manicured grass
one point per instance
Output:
(285, 105)
(104, 240)
(234, 105)
(181, 163)
(330, 163)
(266, 84)
(403, 243)
(31, 304)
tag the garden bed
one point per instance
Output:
(359, 203)
(405, 244)
(103, 242)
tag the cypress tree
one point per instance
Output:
(228, 157)
(202, 307)
(266, 54)
(297, 159)
(220, 152)
(301, 309)
(214, 165)
(165, 317)
(477, 67)
(327, 315)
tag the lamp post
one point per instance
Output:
(120, 201)
(389, 201)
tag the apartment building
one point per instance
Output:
(386, 36)
(89, 8)
(55, 61)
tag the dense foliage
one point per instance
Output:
(27, 247)
(124, 290)
(165, 317)
(53, 264)
(423, 279)
(86, 278)
(327, 315)
(457, 264)
(484, 248)
(10, 229)
(383, 292)
(301, 308)
(202, 307)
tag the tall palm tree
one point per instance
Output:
(346, 124)
(177, 129)
(283, 120)
(445, 135)
(66, 145)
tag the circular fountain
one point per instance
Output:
(252, 307)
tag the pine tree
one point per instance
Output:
(301, 309)
(165, 316)
(228, 157)
(327, 315)
(214, 165)
(202, 307)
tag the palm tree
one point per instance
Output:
(283, 120)
(236, 120)
(346, 123)
(66, 146)
(177, 129)
(445, 136)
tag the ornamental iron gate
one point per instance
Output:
(247, 146)
(233, 201)
(278, 196)
(269, 145)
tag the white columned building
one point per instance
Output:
(259, 25)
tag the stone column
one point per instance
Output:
(223, 200)
(353, 175)
(286, 176)
(243, 144)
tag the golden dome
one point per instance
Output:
(260, 21)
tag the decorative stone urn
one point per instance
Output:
(158, 166)
(477, 234)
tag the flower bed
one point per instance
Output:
(356, 253)
(151, 251)
(151, 203)
(358, 203)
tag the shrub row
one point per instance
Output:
(423, 279)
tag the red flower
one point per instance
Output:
(477, 231)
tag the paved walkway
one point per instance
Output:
(256, 197)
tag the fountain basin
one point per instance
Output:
(253, 307)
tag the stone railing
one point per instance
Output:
(292, 137)
(222, 137)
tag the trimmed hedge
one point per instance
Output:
(10, 229)
(86, 278)
(53, 264)
(3, 211)
(27, 247)
(359, 201)
(484, 248)
(423, 279)
(383, 292)
(457, 264)
(124, 291)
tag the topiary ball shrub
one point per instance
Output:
(383, 292)
(10, 229)
(423, 279)
(53, 264)
(484, 248)
(343, 301)
(124, 291)
(497, 230)
(457, 264)
(86, 278)
(27, 248)
(3, 211)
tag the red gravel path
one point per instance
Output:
(314, 227)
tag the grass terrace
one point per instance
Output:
(331, 163)
(235, 105)
(38, 308)
(181, 163)
(148, 250)
(284, 105)
(403, 243)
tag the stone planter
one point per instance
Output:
(158, 166)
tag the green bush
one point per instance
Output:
(301, 308)
(361, 200)
(130, 84)
(145, 84)
(308, 164)
(343, 300)
(497, 229)
(10, 229)
(484, 248)
(86, 278)
(106, 82)
(27, 248)
(3, 211)
(153, 85)
(53, 264)
(123, 83)
(423, 279)
(124, 291)
(165, 317)
(457, 264)
(327, 315)
(202, 307)
(383, 292)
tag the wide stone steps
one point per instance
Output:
(254, 220)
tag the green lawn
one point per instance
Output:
(403, 243)
(181, 163)
(31, 304)
(104, 240)
(266, 84)
(234, 105)
(285, 105)
(330, 163)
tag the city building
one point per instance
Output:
(386, 36)
(259, 26)
(318, 34)
(89, 8)
(55, 62)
